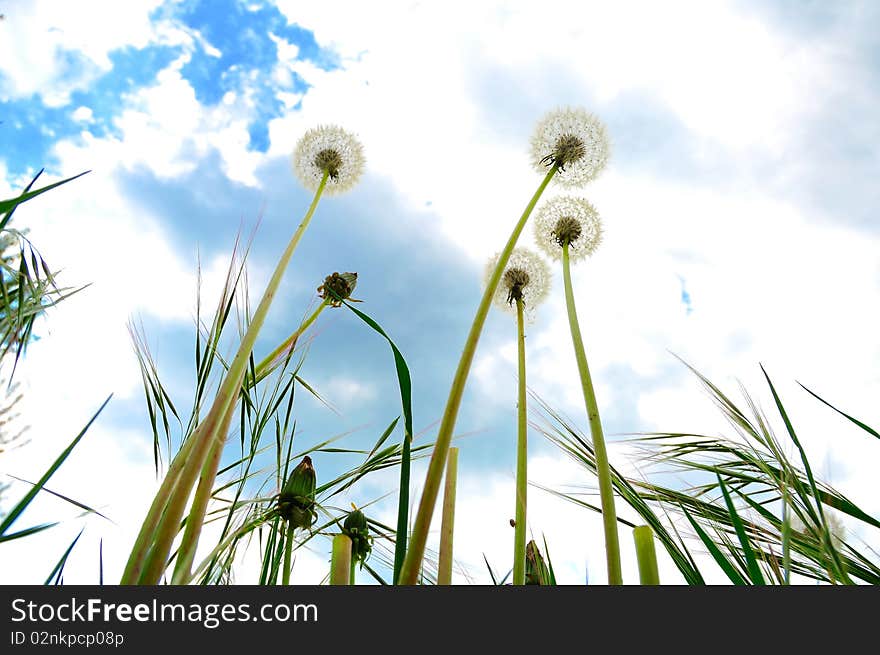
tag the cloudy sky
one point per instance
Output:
(739, 210)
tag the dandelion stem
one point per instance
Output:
(147, 569)
(266, 366)
(603, 469)
(288, 549)
(646, 555)
(143, 543)
(519, 537)
(444, 565)
(419, 539)
(340, 563)
(186, 552)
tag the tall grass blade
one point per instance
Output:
(404, 382)
(56, 576)
(7, 207)
(24, 502)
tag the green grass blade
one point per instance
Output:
(716, 553)
(864, 427)
(26, 532)
(7, 207)
(405, 383)
(754, 569)
(58, 571)
(73, 502)
(22, 505)
(835, 558)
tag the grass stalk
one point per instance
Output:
(147, 569)
(646, 555)
(288, 549)
(519, 535)
(444, 566)
(418, 541)
(186, 552)
(603, 469)
(340, 563)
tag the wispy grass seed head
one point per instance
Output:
(526, 277)
(575, 141)
(328, 149)
(568, 219)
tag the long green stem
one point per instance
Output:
(186, 552)
(519, 536)
(422, 524)
(141, 549)
(153, 564)
(646, 555)
(444, 565)
(288, 549)
(603, 469)
(340, 563)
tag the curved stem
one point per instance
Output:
(288, 549)
(419, 539)
(519, 537)
(444, 565)
(603, 469)
(154, 563)
(141, 549)
(186, 552)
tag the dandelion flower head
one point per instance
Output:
(526, 277)
(575, 141)
(328, 149)
(568, 219)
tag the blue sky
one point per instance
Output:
(738, 206)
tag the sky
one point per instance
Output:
(738, 208)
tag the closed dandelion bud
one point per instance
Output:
(338, 287)
(296, 502)
(355, 526)
(537, 572)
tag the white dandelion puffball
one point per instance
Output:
(571, 219)
(526, 276)
(328, 149)
(574, 140)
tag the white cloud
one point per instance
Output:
(61, 30)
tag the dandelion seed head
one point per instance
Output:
(574, 140)
(568, 218)
(328, 149)
(526, 277)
